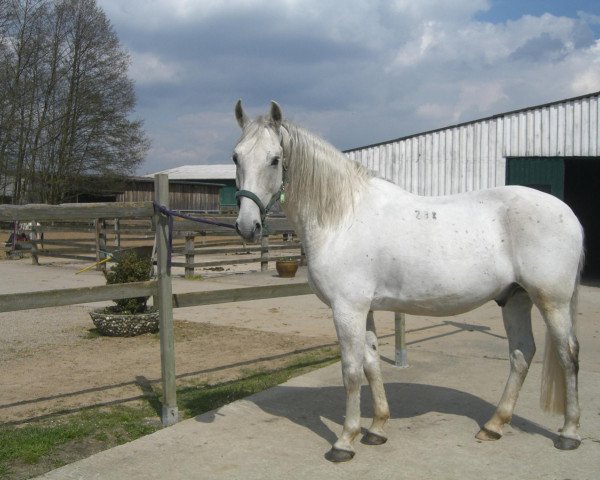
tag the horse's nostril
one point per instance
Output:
(257, 226)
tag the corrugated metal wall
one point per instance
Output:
(472, 155)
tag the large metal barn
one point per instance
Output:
(553, 147)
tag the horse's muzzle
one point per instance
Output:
(251, 234)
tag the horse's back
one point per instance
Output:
(443, 255)
(542, 238)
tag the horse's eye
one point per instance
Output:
(234, 157)
(274, 161)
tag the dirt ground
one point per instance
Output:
(78, 369)
(53, 361)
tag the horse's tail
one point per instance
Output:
(552, 396)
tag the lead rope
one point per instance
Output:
(170, 214)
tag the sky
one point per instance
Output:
(356, 72)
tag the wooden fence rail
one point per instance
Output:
(13, 302)
(75, 211)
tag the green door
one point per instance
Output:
(542, 173)
(227, 197)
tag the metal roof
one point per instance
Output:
(472, 122)
(200, 172)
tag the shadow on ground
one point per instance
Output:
(307, 406)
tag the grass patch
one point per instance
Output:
(35, 448)
(196, 277)
(92, 334)
(198, 399)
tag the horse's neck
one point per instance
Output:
(323, 186)
(309, 231)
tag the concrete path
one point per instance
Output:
(458, 367)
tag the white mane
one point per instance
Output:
(323, 184)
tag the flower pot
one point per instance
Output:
(114, 324)
(286, 268)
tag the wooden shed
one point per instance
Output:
(554, 147)
(183, 195)
(198, 188)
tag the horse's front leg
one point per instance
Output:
(350, 328)
(381, 412)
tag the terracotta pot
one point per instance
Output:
(286, 268)
(121, 325)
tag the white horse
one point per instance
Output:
(419, 255)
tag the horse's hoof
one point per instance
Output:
(487, 435)
(336, 455)
(370, 438)
(565, 443)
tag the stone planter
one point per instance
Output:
(286, 268)
(121, 325)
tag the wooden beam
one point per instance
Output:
(275, 224)
(240, 294)
(76, 211)
(170, 411)
(237, 249)
(54, 254)
(12, 302)
(81, 242)
(70, 296)
(217, 263)
(233, 261)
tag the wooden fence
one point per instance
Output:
(108, 237)
(160, 289)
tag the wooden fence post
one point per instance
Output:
(34, 246)
(264, 253)
(117, 242)
(400, 337)
(189, 256)
(100, 242)
(170, 412)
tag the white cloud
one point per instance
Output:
(148, 68)
(587, 77)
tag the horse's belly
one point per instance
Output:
(434, 305)
(438, 291)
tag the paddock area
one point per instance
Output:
(458, 366)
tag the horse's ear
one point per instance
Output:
(240, 116)
(276, 116)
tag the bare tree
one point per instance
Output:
(67, 99)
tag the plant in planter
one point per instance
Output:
(129, 316)
(286, 267)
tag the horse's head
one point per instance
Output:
(258, 157)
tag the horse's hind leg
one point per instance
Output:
(561, 368)
(517, 322)
(381, 412)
